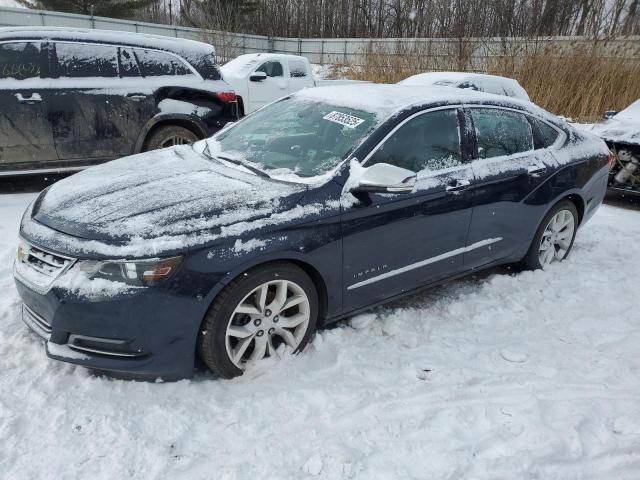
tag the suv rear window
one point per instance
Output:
(86, 60)
(207, 67)
(154, 64)
(19, 60)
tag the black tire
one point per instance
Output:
(531, 260)
(211, 344)
(169, 135)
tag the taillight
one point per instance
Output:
(226, 97)
(611, 158)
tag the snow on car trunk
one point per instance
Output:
(535, 374)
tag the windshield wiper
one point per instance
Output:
(235, 161)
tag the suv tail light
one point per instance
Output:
(226, 97)
(611, 158)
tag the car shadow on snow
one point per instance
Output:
(29, 183)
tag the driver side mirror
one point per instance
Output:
(258, 76)
(610, 114)
(385, 178)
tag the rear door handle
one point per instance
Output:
(136, 97)
(34, 98)
(536, 170)
(458, 187)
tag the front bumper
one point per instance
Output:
(149, 334)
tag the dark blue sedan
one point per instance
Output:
(315, 207)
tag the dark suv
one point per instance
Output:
(70, 98)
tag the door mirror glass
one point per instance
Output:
(385, 178)
(258, 76)
(610, 114)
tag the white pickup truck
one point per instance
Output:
(261, 78)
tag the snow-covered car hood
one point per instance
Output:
(173, 194)
(623, 127)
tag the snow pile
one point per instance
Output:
(530, 375)
(623, 127)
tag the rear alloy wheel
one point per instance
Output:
(555, 236)
(170, 136)
(259, 314)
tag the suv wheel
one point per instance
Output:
(257, 313)
(169, 136)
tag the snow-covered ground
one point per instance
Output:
(528, 375)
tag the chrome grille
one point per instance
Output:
(37, 323)
(38, 268)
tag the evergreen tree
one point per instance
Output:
(103, 8)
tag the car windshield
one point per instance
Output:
(295, 135)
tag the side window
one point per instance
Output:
(272, 69)
(128, 64)
(545, 135)
(430, 141)
(297, 68)
(154, 64)
(20, 60)
(86, 60)
(501, 132)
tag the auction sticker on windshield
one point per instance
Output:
(343, 119)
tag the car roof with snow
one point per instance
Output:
(488, 83)
(624, 127)
(242, 64)
(181, 46)
(387, 99)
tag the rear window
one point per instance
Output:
(155, 64)
(207, 67)
(86, 60)
(297, 68)
(20, 60)
(501, 132)
(546, 135)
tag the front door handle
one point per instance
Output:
(34, 98)
(458, 186)
(536, 171)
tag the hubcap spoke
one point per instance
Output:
(280, 297)
(248, 309)
(241, 348)
(260, 348)
(293, 301)
(293, 321)
(287, 336)
(262, 297)
(240, 331)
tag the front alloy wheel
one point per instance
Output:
(259, 313)
(274, 313)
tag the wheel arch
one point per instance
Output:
(192, 124)
(578, 201)
(314, 273)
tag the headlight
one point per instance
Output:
(140, 274)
